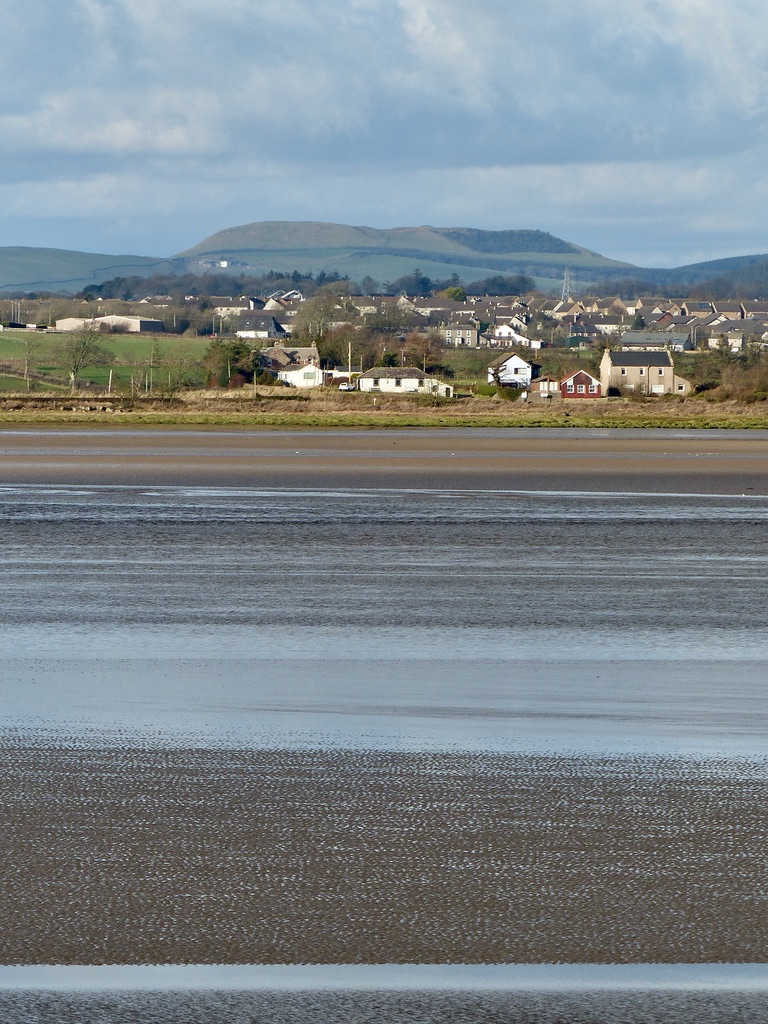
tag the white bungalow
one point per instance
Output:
(402, 380)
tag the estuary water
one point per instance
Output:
(388, 718)
(387, 618)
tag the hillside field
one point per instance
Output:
(131, 354)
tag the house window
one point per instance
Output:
(642, 371)
(375, 382)
(398, 382)
(569, 387)
(581, 389)
(593, 389)
(661, 371)
(623, 371)
(421, 383)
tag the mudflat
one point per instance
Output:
(279, 856)
(662, 461)
(294, 603)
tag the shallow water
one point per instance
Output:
(392, 618)
(155, 636)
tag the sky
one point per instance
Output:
(636, 128)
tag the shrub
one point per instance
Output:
(509, 394)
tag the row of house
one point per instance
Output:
(299, 367)
(649, 373)
(499, 322)
(645, 372)
(495, 322)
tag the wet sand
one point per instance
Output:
(142, 856)
(707, 462)
(137, 855)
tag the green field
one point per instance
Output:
(131, 356)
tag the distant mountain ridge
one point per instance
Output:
(292, 235)
(386, 254)
(360, 252)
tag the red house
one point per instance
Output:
(580, 385)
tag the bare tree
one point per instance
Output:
(423, 348)
(30, 344)
(182, 368)
(80, 349)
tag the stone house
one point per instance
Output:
(648, 373)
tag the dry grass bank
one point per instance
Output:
(286, 408)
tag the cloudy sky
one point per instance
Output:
(638, 128)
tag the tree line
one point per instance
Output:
(202, 286)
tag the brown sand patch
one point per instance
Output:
(508, 459)
(275, 856)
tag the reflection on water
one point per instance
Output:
(393, 618)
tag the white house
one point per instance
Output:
(505, 334)
(512, 370)
(304, 375)
(260, 325)
(402, 380)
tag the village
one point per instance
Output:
(538, 348)
(631, 345)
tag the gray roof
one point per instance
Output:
(260, 322)
(396, 372)
(641, 359)
(500, 360)
(654, 339)
(282, 356)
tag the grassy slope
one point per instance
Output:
(130, 351)
(388, 254)
(23, 268)
(384, 254)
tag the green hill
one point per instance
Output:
(387, 254)
(29, 269)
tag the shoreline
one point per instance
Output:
(508, 460)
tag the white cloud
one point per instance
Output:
(640, 113)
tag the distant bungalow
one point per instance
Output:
(400, 380)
